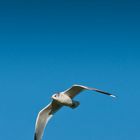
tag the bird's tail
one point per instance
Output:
(75, 104)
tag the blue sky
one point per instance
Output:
(47, 46)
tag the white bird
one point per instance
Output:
(59, 100)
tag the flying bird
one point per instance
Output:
(59, 100)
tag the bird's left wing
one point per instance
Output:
(76, 89)
(43, 117)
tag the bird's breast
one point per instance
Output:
(65, 100)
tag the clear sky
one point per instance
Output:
(47, 46)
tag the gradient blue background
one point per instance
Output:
(47, 46)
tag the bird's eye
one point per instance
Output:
(55, 95)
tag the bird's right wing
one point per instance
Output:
(76, 89)
(43, 117)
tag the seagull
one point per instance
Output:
(59, 100)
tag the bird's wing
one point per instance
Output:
(43, 117)
(75, 89)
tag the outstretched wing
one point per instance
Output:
(43, 117)
(75, 89)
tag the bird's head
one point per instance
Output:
(55, 96)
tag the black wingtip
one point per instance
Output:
(35, 137)
(104, 92)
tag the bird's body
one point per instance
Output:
(62, 99)
(59, 100)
